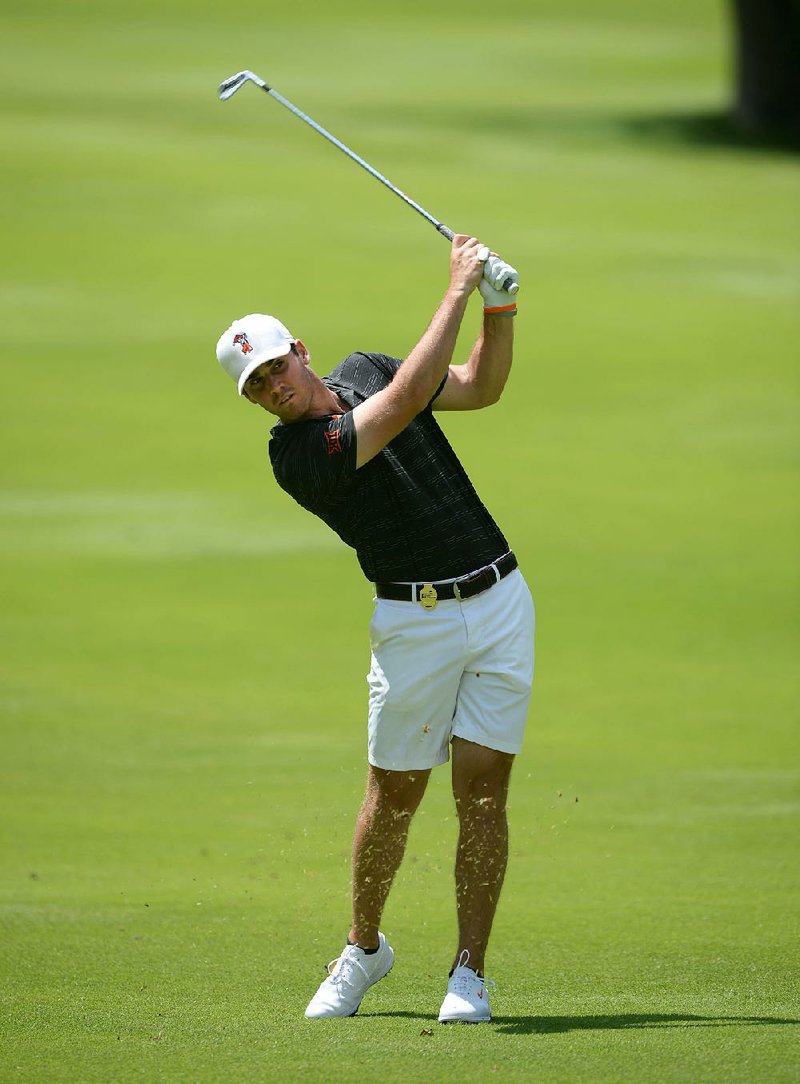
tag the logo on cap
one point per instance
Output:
(241, 340)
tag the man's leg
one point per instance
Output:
(480, 788)
(379, 844)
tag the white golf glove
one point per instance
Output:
(495, 274)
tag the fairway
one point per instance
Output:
(182, 685)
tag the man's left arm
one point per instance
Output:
(480, 382)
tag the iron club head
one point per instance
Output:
(228, 87)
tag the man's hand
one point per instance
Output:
(496, 273)
(467, 259)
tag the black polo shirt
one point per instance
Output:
(411, 513)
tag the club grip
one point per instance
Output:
(509, 285)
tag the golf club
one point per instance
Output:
(229, 87)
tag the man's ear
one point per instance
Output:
(302, 350)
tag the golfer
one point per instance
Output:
(453, 621)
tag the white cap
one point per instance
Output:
(250, 342)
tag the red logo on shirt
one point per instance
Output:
(332, 438)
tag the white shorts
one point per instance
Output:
(464, 669)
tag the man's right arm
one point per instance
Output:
(384, 415)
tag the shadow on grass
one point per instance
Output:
(710, 129)
(540, 1025)
(545, 1025)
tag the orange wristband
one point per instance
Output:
(502, 310)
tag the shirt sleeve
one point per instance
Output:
(316, 461)
(389, 366)
(382, 370)
(438, 391)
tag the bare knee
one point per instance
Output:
(473, 804)
(480, 778)
(395, 794)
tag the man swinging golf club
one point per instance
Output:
(452, 627)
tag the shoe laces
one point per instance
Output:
(341, 970)
(464, 980)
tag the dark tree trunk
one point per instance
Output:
(767, 68)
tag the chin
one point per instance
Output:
(291, 412)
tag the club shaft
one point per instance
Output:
(444, 230)
(230, 86)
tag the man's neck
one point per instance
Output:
(324, 401)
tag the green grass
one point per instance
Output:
(183, 723)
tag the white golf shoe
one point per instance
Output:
(467, 996)
(348, 980)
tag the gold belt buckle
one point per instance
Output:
(428, 598)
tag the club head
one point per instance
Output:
(228, 87)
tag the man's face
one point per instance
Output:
(283, 386)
